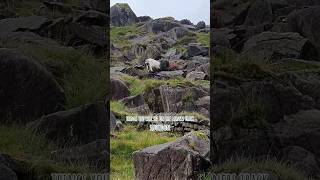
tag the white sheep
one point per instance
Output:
(152, 65)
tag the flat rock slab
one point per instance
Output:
(30, 23)
(181, 159)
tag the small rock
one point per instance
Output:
(196, 75)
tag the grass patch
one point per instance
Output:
(204, 39)
(294, 65)
(126, 142)
(238, 165)
(83, 78)
(251, 114)
(200, 135)
(184, 41)
(120, 110)
(22, 144)
(119, 35)
(139, 86)
(242, 68)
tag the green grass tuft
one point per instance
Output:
(83, 78)
(119, 35)
(204, 39)
(22, 144)
(139, 86)
(126, 142)
(120, 110)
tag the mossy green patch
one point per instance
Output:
(125, 142)
(83, 77)
(139, 86)
(120, 110)
(22, 144)
(204, 39)
(200, 135)
(251, 114)
(120, 35)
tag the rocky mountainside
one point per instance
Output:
(266, 74)
(53, 83)
(181, 89)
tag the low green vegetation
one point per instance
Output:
(252, 68)
(186, 40)
(204, 39)
(200, 135)
(120, 110)
(120, 35)
(295, 65)
(139, 86)
(22, 144)
(83, 77)
(125, 142)
(251, 114)
(274, 168)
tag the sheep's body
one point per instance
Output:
(152, 65)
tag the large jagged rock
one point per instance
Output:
(122, 15)
(21, 39)
(18, 169)
(300, 129)
(27, 89)
(302, 159)
(195, 49)
(206, 69)
(259, 12)
(229, 12)
(222, 37)
(99, 5)
(306, 22)
(30, 23)
(201, 25)
(282, 141)
(6, 173)
(142, 19)
(95, 154)
(133, 101)
(161, 25)
(230, 142)
(169, 99)
(181, 159)
(179, 32)
(271, 46)
(186, 22)
(76, 126)
(306, 83)
(276, 100)
(91, 38)
(93, 17)
(54, 9)
(119, 89)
